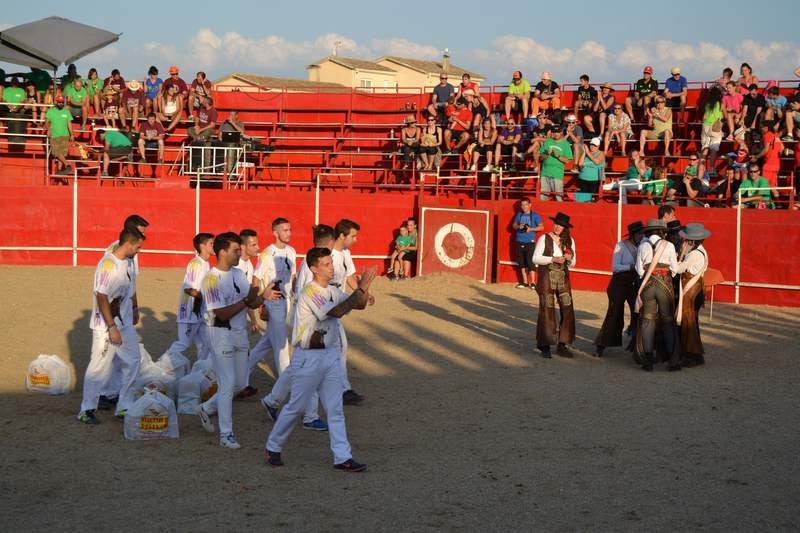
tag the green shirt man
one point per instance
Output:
(557, 151)
(116, 139)
(760, 186)
(58, 118)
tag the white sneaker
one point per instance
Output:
(229, 441)
(487, 168)
(205, 419)
(473, 167)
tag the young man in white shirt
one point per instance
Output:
(249, 250)
(344, 276)
(191, 308)
(316, 361)
(273, 278)
(110, 393)
(112, 323)
(227, 296)
(323, 238)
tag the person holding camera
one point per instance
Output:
(526, 224)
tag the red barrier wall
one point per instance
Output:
(42, 216)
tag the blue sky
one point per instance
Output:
(281, 37)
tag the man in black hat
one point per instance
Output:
(656, 263)
(554, 255)
(621, 289)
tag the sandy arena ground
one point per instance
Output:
(464, 427)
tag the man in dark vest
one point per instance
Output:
(622, 288)
(554, 255)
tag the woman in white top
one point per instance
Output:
(692, 265)
(619, 128)
(170, 105)
(554, 255)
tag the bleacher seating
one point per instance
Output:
(335, 132)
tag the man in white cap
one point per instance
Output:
(675, 90)
(546, 95)
(132, 104)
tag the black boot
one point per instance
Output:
(563, 351)
(545, 352)
(599, 351)
(647, 361)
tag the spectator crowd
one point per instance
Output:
(530, 128)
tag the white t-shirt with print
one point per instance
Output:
(116, 278)
(113, 247)
(311, 314)
(246, 266)
(277, 264)
(196, 270)
(343, 268)
(221, 289)
(304, 277)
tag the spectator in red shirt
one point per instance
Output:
(467, 85)
(113, 86)
(132, 104)
(151, 137)
(200, 88)
(183, 89)
(204, 122)
(771, 153)
(459, 125)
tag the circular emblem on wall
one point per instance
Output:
(454, 245)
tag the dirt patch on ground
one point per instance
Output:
(465, 427)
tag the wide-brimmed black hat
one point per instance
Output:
(673, 226)
(635, 227)
(561, 219)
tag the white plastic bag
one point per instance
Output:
(196, 387)
(159, 375)
(153, 416)
(174, 364)
(48, 374)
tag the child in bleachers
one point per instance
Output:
(401, 245)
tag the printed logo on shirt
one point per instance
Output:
(106, 270)
(193, 270)
(211, 288)
(316, 296)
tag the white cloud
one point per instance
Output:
(219, 54)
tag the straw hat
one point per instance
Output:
(134, 85)
(694, 231)
(410, 119)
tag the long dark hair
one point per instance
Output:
(712, 98)
(565, 239)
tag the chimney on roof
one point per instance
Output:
(446, 60)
